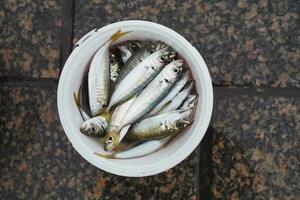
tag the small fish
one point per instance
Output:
(99, 76)
(179, 98)
(140, 150)
(190, 102)
(112, 138)
(139, 77)
(177, 87)
(154, 92)
(160, 126)
(128, 48)
(141, 55)
(114, 65)
(95, 126)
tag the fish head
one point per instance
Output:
(111, 140)
(93, 127)
(113, 61)
(172, 71)
(181, 120)
(190, 102)
(166, 55)
(134, 45)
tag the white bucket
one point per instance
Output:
(71, 78)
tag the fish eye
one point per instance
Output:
(180, 125)
(112, 60)
(151, 50)
(110, 139)
(93, 129)
(134, 47)
(175, 70)
(162, 59)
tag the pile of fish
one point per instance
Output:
(137, 95)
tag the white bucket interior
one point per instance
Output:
(71, 120)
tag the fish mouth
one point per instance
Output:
(84, 128)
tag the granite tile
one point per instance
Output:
(243, 42)
(255, 148)
(38, 162)
(30, 38)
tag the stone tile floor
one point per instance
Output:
(250, 151)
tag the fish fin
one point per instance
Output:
(117, 35)
(77, 102)
(107, 156)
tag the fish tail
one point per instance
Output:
(77, 102)
(118, 35)
(107, 156)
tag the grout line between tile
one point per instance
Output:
(29, 82)
(66, 30)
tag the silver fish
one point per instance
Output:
(161, 125)
(139, 56)
(139, 77)
(190, 102)
(179, 98)
(177, 87)
(95, 126)
(140, 150)
(114, 66)
(112, 138)
(127, 49)
(99, 80)
(154, 92)
(99, 76)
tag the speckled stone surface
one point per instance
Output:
(38, 162)
(30, 38)
(255, 153)
(242, 42)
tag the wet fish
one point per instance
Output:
(140, 150)
(128, 48)
(179, 98)
(145, 101)
(161, 125)
(95, 126)
(112, 138)
(99, 76)
(139, 77)
(139, 56)
(114, 65)
(177, 87)
(190, 102)
(154, 92)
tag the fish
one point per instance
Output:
(141, 55)
(127, 49)
(145, 101)
(137, 151)
(139, 77)
(112, 137)
(154, 92)
(81, 99)
(177, 87)
(179, 98)
(190, 102)
(114, 65)
(99, 76)
(95, 126)
(160, 126)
